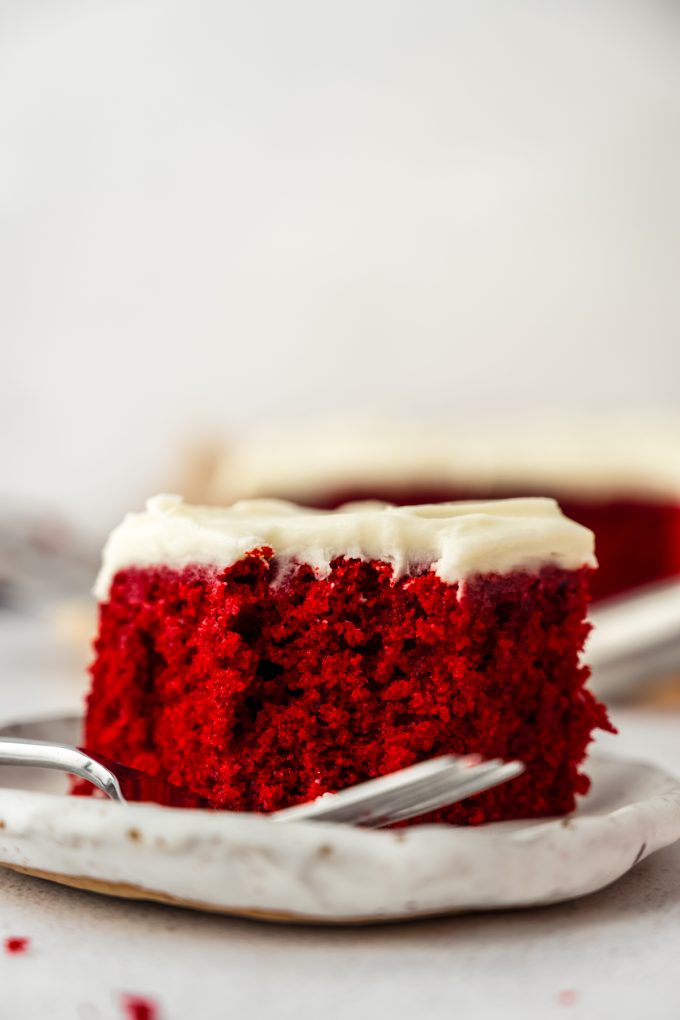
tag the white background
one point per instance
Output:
(216, 212)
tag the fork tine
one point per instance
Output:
(410, 796)
(442, 787)
(457, 791)
(447, 791)
(405, 794)
(382, 787)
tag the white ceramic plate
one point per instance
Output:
(308, 871)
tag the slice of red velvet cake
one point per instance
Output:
(264, 654)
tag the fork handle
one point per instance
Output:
(60, 758)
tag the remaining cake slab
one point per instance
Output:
(618, 477)
(264, 654)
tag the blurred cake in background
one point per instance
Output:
(620, 479)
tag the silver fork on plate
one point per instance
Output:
(408, 793)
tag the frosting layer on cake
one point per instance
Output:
(455, 540)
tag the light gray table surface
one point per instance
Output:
(613, 954)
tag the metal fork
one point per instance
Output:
(396, 797)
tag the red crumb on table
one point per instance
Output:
(137, 1007)
(17, 944)
(567, 997)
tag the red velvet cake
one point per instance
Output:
(264, 654)
(620, 479)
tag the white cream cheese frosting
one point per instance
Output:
(455, 540)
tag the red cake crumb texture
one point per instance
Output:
(261, 695)
(139, 1007)
(16, 944)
